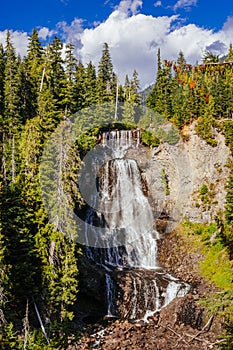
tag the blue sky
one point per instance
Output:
(134, 29)
(27, 14)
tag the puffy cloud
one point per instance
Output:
(134, 39)
(45, 33)
(185, 4)
(129, 6)
(158, 3)
(71, 33)
(19, 40)
(228, 25)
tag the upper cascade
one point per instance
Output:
(121, 140)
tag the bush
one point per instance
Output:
(203, 190)
(149, 139)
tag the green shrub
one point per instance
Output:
(149, 139)
(165, 181)
(203, 190)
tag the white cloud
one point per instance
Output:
(129, 6)
(19, 40)
(134, 39)
(185, 4)
(45, 33)
(227, 28)
(158, 3)
(71, 33)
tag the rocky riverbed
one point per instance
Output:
(181, 325)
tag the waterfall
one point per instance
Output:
(124, 236)
(129, 236)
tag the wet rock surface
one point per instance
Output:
(181, 325)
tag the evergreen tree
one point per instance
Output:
(106, 80)
(220, 94)
(27, 99)
(209, 57)
(68, 93)
(2, 77)
(4, 269)
(2, 128)
(91, 85)
(205, 122)
(181, 61)
(48, 115)
(229, 200)
(80, 86)
(159, 62)
(34, 69)
(160, 98)
(135, 86)
(228, 131)
(20, 258)
(57, 72)
(230, 53)
(35, 51)
(130, 109)
(12, 120)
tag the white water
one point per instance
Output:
(109, 289)
(124, 213)
(123, 231)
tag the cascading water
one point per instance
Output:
(122, 229)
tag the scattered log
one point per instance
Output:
(205, 329)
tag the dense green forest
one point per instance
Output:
(39, 265)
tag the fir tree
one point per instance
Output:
(106, 81)
(160, 98)
(230, 53)
(209, 57)
(27, 98)
(80, 86)
(130, 110)
(57, 72)
(68, 92)
(34, 68)
(12, 118)
(91, 85)
(181, 61)
(2, 77)
(229, 200)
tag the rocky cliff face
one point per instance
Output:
(186, 180)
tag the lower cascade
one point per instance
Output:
(123, 237)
